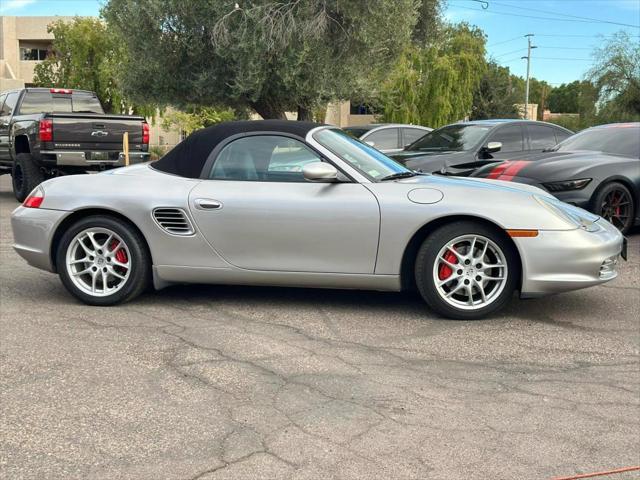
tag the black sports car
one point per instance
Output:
(597, 169)
(462, 147)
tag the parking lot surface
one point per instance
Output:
(212, 382)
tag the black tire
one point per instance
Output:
(427, 255)
(620, 216)
(25, 175)
(140, 275)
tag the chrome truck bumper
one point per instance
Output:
(81, 159)
(560, 261)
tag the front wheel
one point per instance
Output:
(467, 270)
(103, 261)
(615, 204)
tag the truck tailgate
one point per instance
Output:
(95, 132)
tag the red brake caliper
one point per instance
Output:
(121, 255)
(445, 270)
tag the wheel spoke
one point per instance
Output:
(449, 264)
(481, 290)
(86, 249)
(113, 273)
(93, 281)
(82, 272)
(104, 281)
(120, 264)
(457, 288)
(470, 294)
(96, 245)
(105, 244)
(82, 260)
(455, 252)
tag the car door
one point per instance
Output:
(387, 140)
(511, 136)
(259, 213)
(6, 110)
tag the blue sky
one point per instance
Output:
(565, 43)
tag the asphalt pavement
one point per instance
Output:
(213, 382)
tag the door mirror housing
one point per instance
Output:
(320, 172)
(492, 147)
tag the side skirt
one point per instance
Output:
(165, 275)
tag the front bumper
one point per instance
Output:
(33, 230)
(561, 261)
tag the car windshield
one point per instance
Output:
(456, 138)
(371, 162)
(615, 140)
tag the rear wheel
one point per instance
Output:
(25, 175)
(466, 270)
(103, 261)
(614, 203)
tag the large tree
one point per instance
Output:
(496, 95)
(271, 56)
(87, 56)
(616, 75)
(433, 85)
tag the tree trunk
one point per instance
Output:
(305, 114)
(267, 110)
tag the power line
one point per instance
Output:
(509, 53)
(577, 36)
(566, 48)
(536, 17)
(597, 20)
(519, 37)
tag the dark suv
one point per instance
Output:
(459, 148)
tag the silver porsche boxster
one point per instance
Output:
(306, 205)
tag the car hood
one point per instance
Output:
(443, 182)
(550, 166)
(433, 162)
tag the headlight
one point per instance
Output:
(574, 216)
(567, 185)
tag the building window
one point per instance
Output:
(33, 53)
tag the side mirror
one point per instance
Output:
(320, 172)
(492, 147)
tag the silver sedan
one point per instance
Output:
(305, 205)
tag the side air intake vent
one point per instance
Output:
(173, 220)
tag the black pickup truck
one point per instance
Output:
(45, 132)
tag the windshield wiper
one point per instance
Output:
(395, 176)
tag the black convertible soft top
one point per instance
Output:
(188, 157)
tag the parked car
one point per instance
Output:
(45, 132)
(597, 169)
(388, 137)
(460, 148)
(213, 210)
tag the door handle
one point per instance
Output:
(207, 204)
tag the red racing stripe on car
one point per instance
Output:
(512, 170)
(498, 170)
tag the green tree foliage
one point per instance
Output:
(195, 118)
(433, 85)
(267, 55)
(616, 75)
(496, 95)
(87, 56)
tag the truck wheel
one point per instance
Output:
(466, 270)
(25, 175)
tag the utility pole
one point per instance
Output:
(528, 57)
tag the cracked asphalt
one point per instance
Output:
(212, 382)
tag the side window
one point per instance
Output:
(561, 135)
(2, 97)
(511, 138)
(263, 158)
(541, 137)
(412, 134)
(385, 139)
(9, 103)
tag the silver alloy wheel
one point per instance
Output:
(470, 272)
(98, 261)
